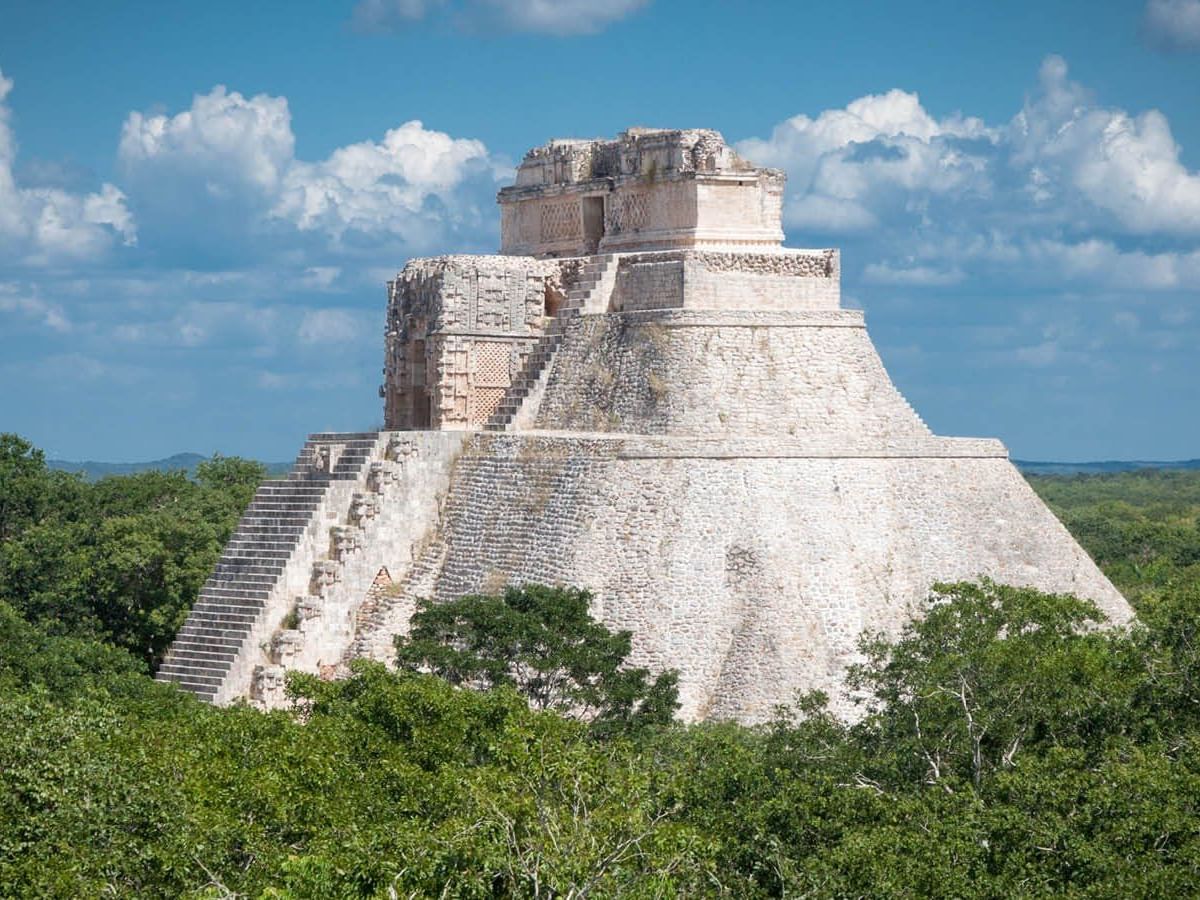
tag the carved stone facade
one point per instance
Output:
(458, 330)
(694, 430)
(650, 189)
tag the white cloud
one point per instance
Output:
(327, 326)
(44, 225)
(1127, 167)
(384, 187)
(919, 276)
(223, 137)
(51, 315)
(1101, 262)
(229, 161)
(556, 17)
(850, 169)
(559, 17)
(1173, 24)
(1048, 195)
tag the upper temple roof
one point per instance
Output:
(636, 151)
(649, 189)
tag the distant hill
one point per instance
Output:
(1098, 468)
(187, 461)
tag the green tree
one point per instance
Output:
(543, 642)
(24, 485)
(989, 671)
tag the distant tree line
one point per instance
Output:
(1005, 746)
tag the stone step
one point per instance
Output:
(208, 622)
(245, 605)
(215, 633)
(203, 691)
(273, 522)
(195, 675)
(252, 579)
(212, 643)
(287, 506)
(224, 592)
(236, 587)
(224, 614)
(248, 579)
(262, 550)
(228, 612)
(270, 533)
(251, 564)
(337, 436)
(273, 517)
(286, 499)
(225, 570)
(228, 631)
(202, 649)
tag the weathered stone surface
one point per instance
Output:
(648, 189)
(698, 433)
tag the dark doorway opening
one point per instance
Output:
(593, 223)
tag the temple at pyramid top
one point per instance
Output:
(650, 189)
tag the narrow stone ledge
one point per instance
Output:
(638, 446)
(684, 318)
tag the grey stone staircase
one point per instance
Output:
(537, 364)
(254, 560)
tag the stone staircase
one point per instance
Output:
(595, 282)
(255, 559)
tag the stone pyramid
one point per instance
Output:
(645, 394)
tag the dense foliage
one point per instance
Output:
(119, 560)
(1005, 747)
(1143, 528)
(542, 642)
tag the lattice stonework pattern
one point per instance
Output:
(560, 221)
(491, 376)
(628, 212)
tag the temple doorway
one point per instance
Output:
(593, 223)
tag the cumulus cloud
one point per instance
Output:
(224, 138)
(1126, 168)
(229, 160)
(853, 168)
(556, 17)
(43, 225)
(1173, 24)
(386, 186)
(1061, 184)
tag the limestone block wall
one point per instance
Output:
(753, 573)
(724, 373)
(648, 281)
(694, 279)
(727, 213)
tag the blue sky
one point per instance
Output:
(200, 203)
